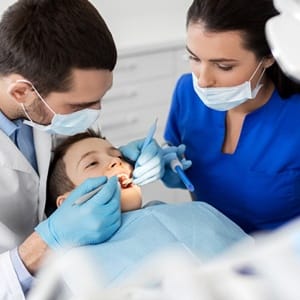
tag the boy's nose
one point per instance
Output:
(115, 162)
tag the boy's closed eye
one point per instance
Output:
(91, 164)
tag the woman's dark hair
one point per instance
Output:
(250, 18)
(43, 40)
(59, 182)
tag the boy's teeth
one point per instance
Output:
(127, 181)
(124, 180)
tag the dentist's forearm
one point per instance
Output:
(32, 252)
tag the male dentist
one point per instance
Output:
(56, 63)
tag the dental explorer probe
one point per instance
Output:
(87, 196)
(150, 135)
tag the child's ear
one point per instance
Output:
(60, 199)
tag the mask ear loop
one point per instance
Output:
(39, 96)
(26, 113)
(261, 75)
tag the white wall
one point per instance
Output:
(135, 22)
(4, 5)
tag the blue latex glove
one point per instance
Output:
(149, 164)
(91, 222)
(170, 178)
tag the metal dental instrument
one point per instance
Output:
(150, 135)
(87, 196)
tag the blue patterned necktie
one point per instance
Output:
(24, 141)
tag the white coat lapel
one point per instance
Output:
(11, 157)
(43, 147)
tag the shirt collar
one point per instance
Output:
(7, 126)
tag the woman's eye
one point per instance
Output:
(193, 58)
(225, 68)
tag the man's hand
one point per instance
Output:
(91, 222)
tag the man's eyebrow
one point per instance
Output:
(84, 156)
(221, 59)
(86, 104)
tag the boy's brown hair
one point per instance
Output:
(58, 181)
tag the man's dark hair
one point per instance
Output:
(59, 182)
(43, 40)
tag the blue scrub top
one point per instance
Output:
(258, 186)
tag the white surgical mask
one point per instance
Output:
(67, 124)
(226, 98)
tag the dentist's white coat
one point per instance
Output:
(22, 203)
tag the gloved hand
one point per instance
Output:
(91, 222)
(170, 178)
(149, 164)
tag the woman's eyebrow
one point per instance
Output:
(221, 59)
(190, 51)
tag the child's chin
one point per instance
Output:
(131, 198)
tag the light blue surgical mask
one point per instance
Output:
(226, 98)
(67, 124)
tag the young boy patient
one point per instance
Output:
(87, 155)
(195, 228)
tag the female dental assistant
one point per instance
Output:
(238, 115)
(56, 63)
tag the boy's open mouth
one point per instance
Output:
(125, 181)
